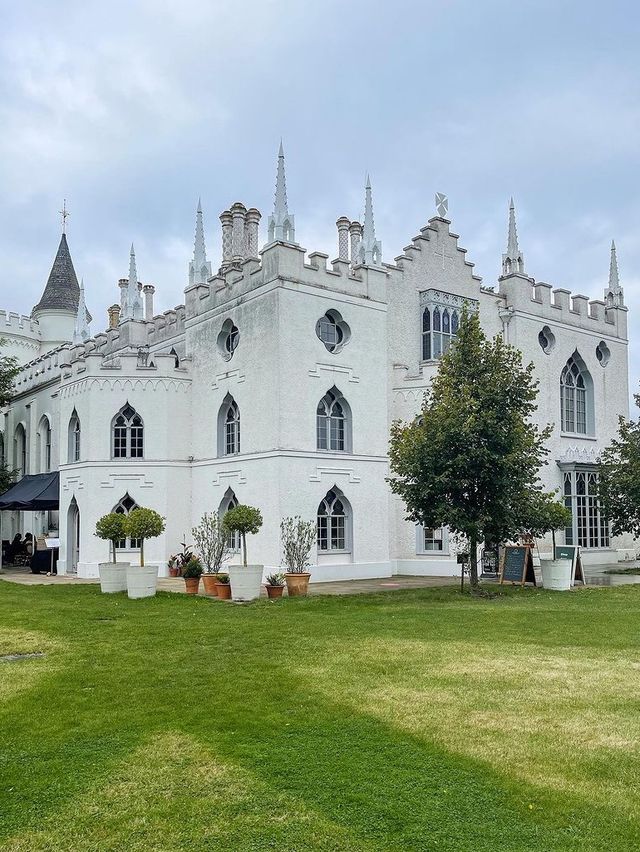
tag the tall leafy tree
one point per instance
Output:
(8, 371)
(471, 461)
(619, 477)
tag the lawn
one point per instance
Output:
(407, 721)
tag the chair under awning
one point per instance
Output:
(33, 493)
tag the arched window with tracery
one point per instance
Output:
(334, 523)
(229, 501)
(128, 434)
(44, 445)
(576, 397)
(228, 427)
(74, 435)
(20, 450)
(333, 422)
(123, 507)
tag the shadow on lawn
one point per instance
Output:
(222, 675)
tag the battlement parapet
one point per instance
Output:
(560, 305)
(40, 371)
(129, 363)
(19, 324)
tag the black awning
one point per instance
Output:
(33, 493)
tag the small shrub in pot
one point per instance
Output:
(275, 585)
(142, 524)
(246, 580)
(113, 576)
(192, 573)
(212, 544)
(297, 537)
(223, 586)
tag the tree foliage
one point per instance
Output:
(112, 528)
(297, 539)
(471, 461)
(144, 523)
(619, 478)
(8, 371)
(211, 542)
(245, 520)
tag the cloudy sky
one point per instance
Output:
(131, 110)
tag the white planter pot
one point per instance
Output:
(556, 574)
(113, 576)
(246, 581)
(142, 581)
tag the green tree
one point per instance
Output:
(8, 371)
(471, 461)
(211, 541)
(112, 528)
(244, 520)
(619, 478)
(144, 523)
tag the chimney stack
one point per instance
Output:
(123, 283)
(148, 291)
(343, 238)
(239, 214)
(251, 231)
(114, 315)
(355, 231)
(227, 226)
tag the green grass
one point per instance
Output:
(406, 721)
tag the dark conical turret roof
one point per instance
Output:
(62, 291)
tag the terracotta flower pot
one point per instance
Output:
(210, 583)
(174, 572)
(274, 591)
(297, 584)
(192, 584)
(224, 591)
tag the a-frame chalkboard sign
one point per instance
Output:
(572, 552)
(517, 566)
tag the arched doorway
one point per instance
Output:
(73, 537)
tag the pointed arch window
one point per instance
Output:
(576, 397)
(228, 427)
(441, 313)
(334, 522)
(333, 422)
(127, 434)
(44, 445)
(20, 450)
(123, 507)
(74, 435)
(230, 501)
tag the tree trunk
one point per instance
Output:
(553, 539)
(473, 563)
(113, 548)
(244, 550)
(142, 553)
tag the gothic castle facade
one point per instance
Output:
(275, 384)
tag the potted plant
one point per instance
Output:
(297, 537)
(174, 568)
(223, 587)
(556, 573)
(246, 580)
(192, 573)
(275, 585)
(113, 575)
(142, 524)
(212, 543)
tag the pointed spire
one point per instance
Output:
(614, 294)
(370, 250)
(82, 331)
(199, 267)
(512, 259)
(281, 223)
(132, 308)
(62, 290)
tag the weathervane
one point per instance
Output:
(442, 205)
(65, 214)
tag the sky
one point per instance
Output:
(132, 110)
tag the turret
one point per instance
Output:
(58, 306)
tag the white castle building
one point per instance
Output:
(276, 382)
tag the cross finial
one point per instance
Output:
(65, 214)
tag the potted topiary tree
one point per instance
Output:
(246, 580)
(113, 575)
(556, 573)
(192, 573)
(297, 537)
(142, 524)
(212, 543)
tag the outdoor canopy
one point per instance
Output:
(33, 493)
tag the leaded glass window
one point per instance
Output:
(441, 313)
(332, 422)
(128, 434)
(126, 505)
(333, 520)
(573, 398)
(589, 527)
(232, 430)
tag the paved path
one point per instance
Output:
(171, 584)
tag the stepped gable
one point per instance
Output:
(62, 291)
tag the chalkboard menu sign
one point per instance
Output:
(572, 552)
(517, 566)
